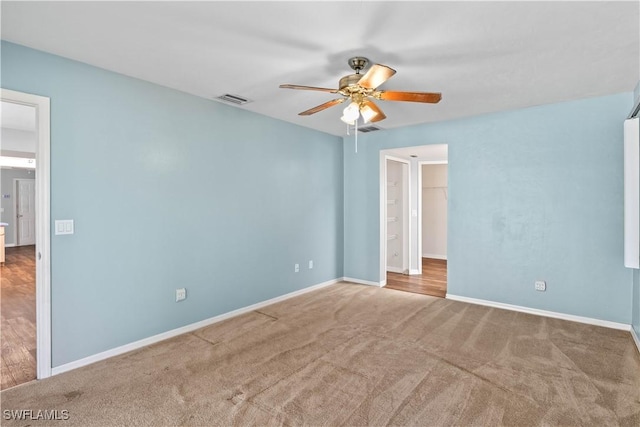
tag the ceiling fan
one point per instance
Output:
(361, 89)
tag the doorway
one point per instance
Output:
(427, 218)
(25, 278)
(25, 209)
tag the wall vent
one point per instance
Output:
(366, 129)
(233, 99)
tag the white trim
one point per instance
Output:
(419, 219)
(43, 236)
(406, 223)
(631, 193)
(398, 270)
(183, 329)
(636, 339)
(365, 282)
(415, 272)
(382, 193)
(434, 256)
(434, 162)
(9, 245)
(545, 313)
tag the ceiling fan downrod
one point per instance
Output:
(358, 63)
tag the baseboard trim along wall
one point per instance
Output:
(183, 330)
(434, 256)
(545, 313)
(9, 245)
(636, 339)
(364, 282)
(414, 272)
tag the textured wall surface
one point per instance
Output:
(168, 190)
(534, 194)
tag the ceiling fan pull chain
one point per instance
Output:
(356, 129)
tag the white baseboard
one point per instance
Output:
(434, 256)
(183, 330)
(414, 272)
(545, 313)
(9, 245)
(636, 339)
(395, 269)
(364, 282)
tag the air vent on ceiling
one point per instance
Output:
(370, 128)
(233, 99)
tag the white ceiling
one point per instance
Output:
(17, 116)
(482, 56)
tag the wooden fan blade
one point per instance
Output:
(392, 95)
(379, 115)
(376, 75)
(322, 106)
(320, 89)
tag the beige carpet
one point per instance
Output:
(358, 355)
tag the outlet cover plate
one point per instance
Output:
(541, 285)
(181, 294)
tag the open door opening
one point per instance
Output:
(425, 216)
(24, 214)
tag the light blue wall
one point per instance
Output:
(534, 194)
(169, 190)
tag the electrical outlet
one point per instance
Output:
(310, 264)
(296, 268)
(181, 294)
(541, 285)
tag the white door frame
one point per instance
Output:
(419, 228)
(16, 203)
(383, 215)
(43, 225)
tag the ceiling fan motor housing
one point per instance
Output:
(350, 80)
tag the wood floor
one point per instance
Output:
(432, 281)
(18, 313)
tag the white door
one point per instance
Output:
(26, 211)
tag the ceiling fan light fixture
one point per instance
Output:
(351, 113)
(347, 121)
(367, 113)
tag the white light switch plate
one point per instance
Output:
(63, 226)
